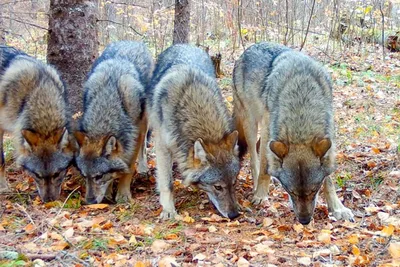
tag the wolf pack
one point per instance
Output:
(282, 115)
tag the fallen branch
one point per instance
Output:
(26, 213)
(26, 23)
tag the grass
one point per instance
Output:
(341, 179)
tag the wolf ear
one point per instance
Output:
(111, 145)
(80, 138)
(61, 137)
(279, 149)
(232, 140)
(321, 147)
(199, 151)
(30, 138)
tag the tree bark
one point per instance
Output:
(181, 22)
(2, 28)
(73, 44)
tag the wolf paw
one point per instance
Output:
(123, 197)
(257, 200)
(343, 214)
(168, 215)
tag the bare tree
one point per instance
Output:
(73, 43)
(182, 21)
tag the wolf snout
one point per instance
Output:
(305, 220)
(233, 214)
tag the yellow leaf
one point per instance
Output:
(355, 250)
(353, 239)
(30, 228)
(394, 250)
(367, 9)
(140, 264)
(387, 230)
(97, 206)
(188, 219)
(244, 31)
(229, 98)
(132, 240)
(171, 237)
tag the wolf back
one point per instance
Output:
(114, 115)
(34, 109)
(189, 117)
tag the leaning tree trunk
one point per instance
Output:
(181, 22)
(72, 43)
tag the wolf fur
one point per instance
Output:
(114, 124)
(192, 127)
(290, 95)
(33, 108)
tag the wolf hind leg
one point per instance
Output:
(264, 179)
(3, 180)
(339, 211)
(164, 179)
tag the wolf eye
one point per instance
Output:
(218, 187)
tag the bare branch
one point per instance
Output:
(26, 23)
(123, 25)
(127, 4)
(308, 26)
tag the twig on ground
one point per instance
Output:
(22, 208)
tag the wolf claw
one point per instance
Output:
(168, 215)
(343, 213)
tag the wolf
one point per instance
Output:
(34, 109)
(192, 127)
(113, 128)
(290, 95)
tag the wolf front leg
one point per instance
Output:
(3, 179)
(339, 211)
(264, 179)
(164, 179)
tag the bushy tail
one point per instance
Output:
(241, 138)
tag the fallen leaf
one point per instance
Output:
(394, 250)
(267, 222)
(159, 246)
(325, 236)
(387, 230)
(242, 262)
(355, 250)
(229, 98)
(306, 261)
(30, 228)
(171, 237)
(97, 206)
(353, 239)
(107, 225)
(212, 229)
(298, 228)
(188, 219)
(132, 240)
(140, 264)
(69, 232)
(168, 261)
(231, 224)
(199, 257)
(264, 249)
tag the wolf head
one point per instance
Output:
(46, 158)
(99, 161)
(216, 167)
(301, 169)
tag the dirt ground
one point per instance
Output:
(367, 114)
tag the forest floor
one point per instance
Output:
(367, 115)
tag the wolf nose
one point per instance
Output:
(233, 214)
(305, 220)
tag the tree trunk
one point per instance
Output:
(2, 28)
(181, 22)
(73, 44)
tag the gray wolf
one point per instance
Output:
(192, 127)
(290, 95)
(114, 123)
(33, 108)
